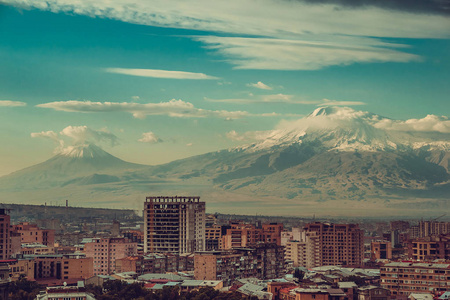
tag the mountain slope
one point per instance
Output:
(73, 162)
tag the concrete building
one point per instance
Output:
(31, 233)
(62, 267)
(429, 248)
(174, 225)
(4, 279)
(380, 250)
(263, 261)
(373, 293)
(404, 278)
(271, 233)
(106, 250)
(5, 241)
(306, 252)
(339, 244)
(65, 292)
(428, 228)
(156, 263)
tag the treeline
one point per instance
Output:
(120, 290)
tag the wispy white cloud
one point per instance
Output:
(326, 102)
(260, 85)
(274, 98)
(287, 35)
(46, 134)
(83, 134)
(173, 108)
(72, 136)
(430, 123)
(149, 137)
(247, 136)
(160, 73)
(10, 103)
(284, 54)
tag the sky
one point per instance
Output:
(155, 81)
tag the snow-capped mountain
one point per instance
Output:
(344, 129)
(70, 163)
(334, 154)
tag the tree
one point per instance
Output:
(299, 274)
(23, 289)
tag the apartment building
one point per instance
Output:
(429, 248)
(105, 251)
(380, 250)
(5, 241)
(156, 263)
(174, 224)
(429, 228)
(339, 244)
(263, 261)
(404, 278)
(31, 233)
(305, 252)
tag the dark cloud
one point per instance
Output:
(415, 6)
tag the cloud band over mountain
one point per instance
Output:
(173, 108)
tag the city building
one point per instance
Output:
(263, 261)
(213, 237)
(373, 293)
(404, 278)
(174, 224)
(5, 241)
(4, 278)
(65, 292)
(105, 251)
(429, 248)
(156, 263)
(306, 252)
(339, 244)
(271, 233)
(31, 233)
(380, 250)
(428, 228)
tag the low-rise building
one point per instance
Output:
(65, 292)
(373, 293)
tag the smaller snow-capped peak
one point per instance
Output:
(83, 151)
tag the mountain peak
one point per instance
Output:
(326, 111)
(83, 151)
(339, 112)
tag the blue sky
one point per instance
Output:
(171, 82)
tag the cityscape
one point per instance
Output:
(224, 150)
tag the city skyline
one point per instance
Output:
(151, 83)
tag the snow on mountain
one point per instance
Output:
(84, 151)
(344, 129)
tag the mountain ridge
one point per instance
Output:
(333, 155)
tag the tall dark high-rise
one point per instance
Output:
(174, 224)
(5, 228)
